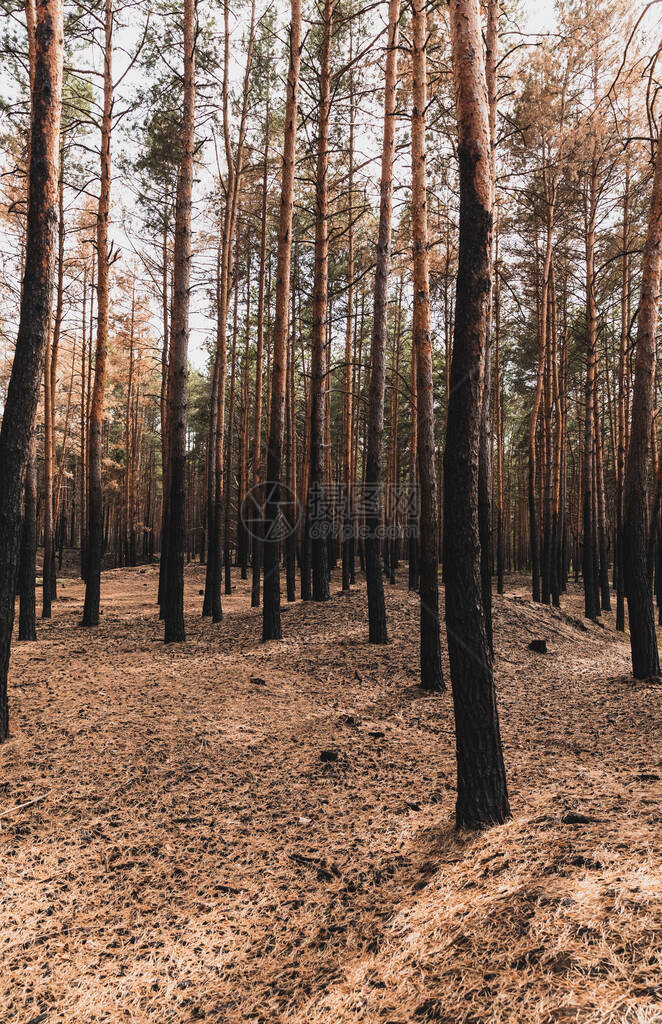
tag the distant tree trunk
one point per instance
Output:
(271, 626)
(430, 640)
(35, 310)
(27, 629)
(227, 549)
(212, 593)
(163, 408)
(83, 431)
(259, 357)
(591, 596)
(377, 633)
(242, 532)
(643, 639)
(50, 379)
(95, 423)
(485, 450)
(317, 498)
(498, 399)
(347, 404)
(216, 437)
(178, 368)
(413, 477)
(482, 797)
(622, 359)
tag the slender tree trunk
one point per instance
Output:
(317, 512)
(95, 423)
(35, 310)
(227, 549)
(375, 427)
(27, 629)
(591, 597)
(178, 367)
(271, 626)
(347, 405)
(643, 639)
(485, 450)
(259, 357)
(482, 797)
(430, 641)
(622, 359)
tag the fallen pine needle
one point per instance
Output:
(28, 803)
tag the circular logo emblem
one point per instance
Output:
(270, 511)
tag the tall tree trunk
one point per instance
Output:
(643, 639)
(591, 596)
(50, 386)
(375, 427)
(482, 797)
(259, 357)
(227, 488)
(485, 450)
(35, 310)
(430, 640)
(622, 359)
(216, 436)
(95, 423)
(347, 404)
(317, 512)
(271, 626)
(178, 368)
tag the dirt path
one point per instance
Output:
(195, 858)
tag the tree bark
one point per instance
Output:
(178, 368)
(95, 423)
(377, 632)
(316, 511)
(482, 793)
(271, 625)
(35, 310)
(643, 639)
(27, 629)
(430, 638)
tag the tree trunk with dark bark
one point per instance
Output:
(377, 632)
(35, 311)
(482, 793)
(178, 366)
(643, 638)
(271, 625)
(430, 638)
(95, 532)
(317, 511)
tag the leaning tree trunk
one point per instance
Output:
(178, 369)
(316, 512)
(95, 427)
(643, 639)
(430, 638)
(482, 797)
(34, 320)
(375, 427)
(271, 626)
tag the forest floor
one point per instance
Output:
(194, 857)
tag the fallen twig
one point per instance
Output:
(28, 803)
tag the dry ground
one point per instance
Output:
(195, 859)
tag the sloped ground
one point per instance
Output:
(194, 858)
